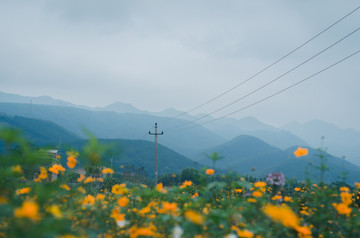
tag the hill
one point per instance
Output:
(39, 132)
(337, 141)
(140, 153)
(250, 155)
(112, 125)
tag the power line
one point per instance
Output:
(281, 91)
(274, 80)
(269, 66)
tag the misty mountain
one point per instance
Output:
(122, 108)
(140, 153)
(249, 155)
(39, 132)
(337, 141)
(112, 125)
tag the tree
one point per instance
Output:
(214, 156)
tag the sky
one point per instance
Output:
(179, 54)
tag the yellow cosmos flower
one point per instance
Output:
(282, 214)
(297, 189)
(287, 199)
(346, 198)
(29, 209)
(55, 211)
(238, 190)
(194, 217)
(17, 169)
(168, 207)
(100, 196)
(342, 208)
(107, 171)
(89, 180)
(186, 184)
(276, 197)
(123, 202)
(259, 184)
(71, 161)
(301, 152)
(245, 233)
(142, 231)
(257, 194)
(43, 174)
(209, 171)
(65, 186)
(56, 168)
(89, 200)
(23, 190)
(115, 213)
(81, 178)
(119, 189)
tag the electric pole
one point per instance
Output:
(156, 167)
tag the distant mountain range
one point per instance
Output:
(245, 143)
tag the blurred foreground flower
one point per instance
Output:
(29, 209)
(301, 152)
(210, 171)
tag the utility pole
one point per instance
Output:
(156, 167)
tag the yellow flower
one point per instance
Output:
(344, 189)
(119, 189)
(123, 202)
(251, 200)
(276, 197)
(159, 187)
(346, 198)
(23, 190)
(259, 184)
(88, 200)
(71, 163)
(282, 214)
(168, 207)
(43, 174)
(142, 231)
(81, 178)
(107, 171)
(257, 194)
(301, 152)
(342, 208)
(117, 215)
(194, 217)
(65, 186)
(303, 231)
(238, 190)
(357, 185)
(195, 195)
(89, 180)
(17, 169)
(186, 184)
(56, 168)
(287, 199)
(297, 189)
(100, 196)
(55, 211)
(245, 233)
(210, 171)
(29, 209)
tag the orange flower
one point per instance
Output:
(43, 174)
(342, 208)
(282, 214)
(257, 194)
(23, 190)
(29, 209)
(357, 185)
(100, 196)
(297, 189)
(107, 171)
(276, 197)
(65, 186)
(259, 184)
(287, 199)
(119, 189)
(123, 202)
(210, 171)
(56, 168)
(17, 169)
(195, 195)
(301, 152)
(238, 190)
(89, 200)
(71, 163)
(168, 207)
(244, 233)
(81, 178)
(186, 184)
(55, 211)
(89, 180)
(194, 217)
(117, 215)
(346, 198)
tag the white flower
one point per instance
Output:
(177, 232)
(231, 236)
(122, 223)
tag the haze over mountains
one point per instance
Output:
(245, 142)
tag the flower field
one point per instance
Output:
(35, 204)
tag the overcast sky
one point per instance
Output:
(179, 54)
